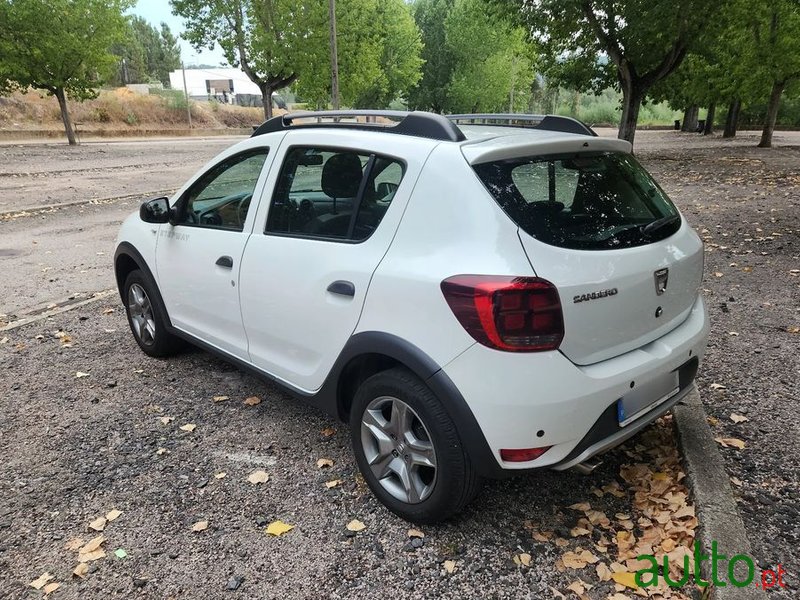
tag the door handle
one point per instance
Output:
(343, 288)
(225, 262)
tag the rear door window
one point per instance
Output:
(332, 194)
(582, 201)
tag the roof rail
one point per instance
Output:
(416, 123)
(548, 122)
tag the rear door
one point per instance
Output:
(626, 265)
(325, 226)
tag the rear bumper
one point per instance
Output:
(537, 400)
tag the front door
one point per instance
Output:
(198, 260)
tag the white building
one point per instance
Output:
(217, 83)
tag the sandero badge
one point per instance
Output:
(594, 295)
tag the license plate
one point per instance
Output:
(646, 396)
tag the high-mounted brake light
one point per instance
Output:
(517, 314)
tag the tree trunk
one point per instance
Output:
(772, 114)
(62, 104)
(690, 118)
(631, 103)
(266, 99)
(732, 119)
(709, 128)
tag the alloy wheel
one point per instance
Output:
(141, 314)
(398, 449)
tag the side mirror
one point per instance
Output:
(155, 211)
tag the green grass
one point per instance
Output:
(605, 109)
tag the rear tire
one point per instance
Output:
(408, 450)
(147, 317)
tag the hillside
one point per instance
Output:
(122, 111)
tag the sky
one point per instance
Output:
(156, 11)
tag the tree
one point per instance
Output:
(400, 60)
(628, 43)
(60, 46)
(431, 92)
(497, 80)
(268, 39)
(775, 26)
(359, 47)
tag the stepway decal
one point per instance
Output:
(769, 578)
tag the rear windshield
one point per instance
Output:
(583, 201)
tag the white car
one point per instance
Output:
(474, 299)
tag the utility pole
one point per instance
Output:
(186, 93)
(334, 56)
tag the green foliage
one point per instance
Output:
(486, 81)
(431, 92)
(59, 44)
(476, 61)
(149, 53)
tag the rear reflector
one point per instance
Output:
(522, 454)
(517, 314)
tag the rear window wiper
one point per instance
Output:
(660, 224)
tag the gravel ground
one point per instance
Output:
(746, 204)
(75, 448)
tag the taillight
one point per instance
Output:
(518, 314)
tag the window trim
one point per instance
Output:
(373, 156)
(181, 203)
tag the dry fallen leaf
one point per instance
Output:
(50, 588)
(220, 398)
(220, 475)
(603, 572)
(258, 477)
(579, 531)
(328, 431)
(188, 427)
(355, 525)
(278, 528)
(80, 374)
(40, 581)
(81, 570)
(113, 514)
(736, 481)
(523, 559)
(717, 386)
(166, 420)
(324, 462)
(161, 451)
(98, 524)
(450, 566)
(92, 545)
(252, 400)
(578, 559)
(626, 579)
(332, 483)
(200, 526)
(577, 587)
(415, 533)
(90, 556)
(581, 506)
(738, 418)
(730, 443)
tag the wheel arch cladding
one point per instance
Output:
(368, 353)
(127, 259)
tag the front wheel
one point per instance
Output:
(147, 317)
(408, 450)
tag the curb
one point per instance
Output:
(719, 517)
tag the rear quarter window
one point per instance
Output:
(583, 201)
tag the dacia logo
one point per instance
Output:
(594, 295)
